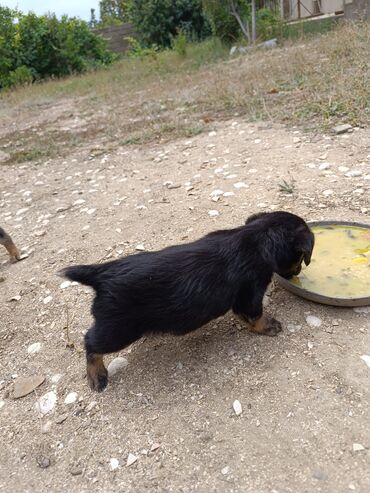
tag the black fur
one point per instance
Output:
(183, 287)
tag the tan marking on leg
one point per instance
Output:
(265, 326)
(97, 374)
(10, 246)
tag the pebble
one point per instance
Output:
(140, 247)
(353, 173)
(43, 461)
(47, 300)
(216, 193)
(228, 194)
(294, 328)
(357, 447)
(213, 213)
(225, 470)
(237, 407)
(313, 321)
(362, 309)
(342, 129)
(155, 446)
(116, 365)
(65, 284)
(2, 404)
(46, 402)
(91, 406)
(61, 418)
(113, 464)
(17, 297)
(34, 348)
(366, 359)
(71, 398)
(343, 168)
(25, 385)
(241, 184)
(131, 459)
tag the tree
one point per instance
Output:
(158, 21)
(242, 11)
(113, 11)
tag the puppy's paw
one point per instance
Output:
(272, 327)
(98, 383)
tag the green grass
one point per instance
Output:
(314, 83)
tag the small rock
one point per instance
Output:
(213, 213)
(65, 284)
(357, 447)
(34, 348)
(310, 345)
(351, 486)
(213, 133)
(216, 193)
(342, 129)
(155, 446)
(113, 464)
(2, 404)
(353, 173)
(43, 461)
(131, 459)
(140, 247)
(46, 427)
(47, 300)
(362, 309)
(313, 321)
(25, 385)
(366, 359)
(343, 168)
(241, 184)
(335, 322)
(294, 328)
(228, 194)
(17, 297)
(225, 470)
(61, 418)
(71, 398)
(116, 365)
(91, 406)
(296, 140)
(237, 407)
(328, 192)
(46, 402)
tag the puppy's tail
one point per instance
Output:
(84, 274)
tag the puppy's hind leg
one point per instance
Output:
(8, 243)
(101, 340)
(97, 374)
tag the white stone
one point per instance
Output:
(313, 321)
(34, 348)
(357, 447)
(140, 247)
(213, 213)
(353, 173)
(65, 284)
(228, 194)
(47, 300)
(131, 459)
(216, 193)
(46, 402)
(116, 365)
(113, 464)
(241, 184)
(71, 398)
(225, 470)
(237, 407)
(366, 359)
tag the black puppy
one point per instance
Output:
(183, 287)
(7, 242)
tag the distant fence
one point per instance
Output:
(115, 36)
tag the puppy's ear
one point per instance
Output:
(306, 241)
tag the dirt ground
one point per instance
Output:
(305, 394)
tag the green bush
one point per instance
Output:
(157, 21)
(36, 47)
(179, 43)
(268, 24)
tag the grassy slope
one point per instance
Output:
(313, 82)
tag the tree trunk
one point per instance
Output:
(244, 28)
(253, 21)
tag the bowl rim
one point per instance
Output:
(320, 298)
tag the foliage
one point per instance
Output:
(179, 43)
(113, 12)
(268, 24)
(137, 50)
(157, 21)
(35, 47)
(224, 24)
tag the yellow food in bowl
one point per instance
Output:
(340, 265)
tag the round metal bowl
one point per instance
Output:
(320, 298)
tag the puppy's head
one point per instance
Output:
(285, 241)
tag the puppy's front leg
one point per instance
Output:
(248, 307)
(8, 243)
